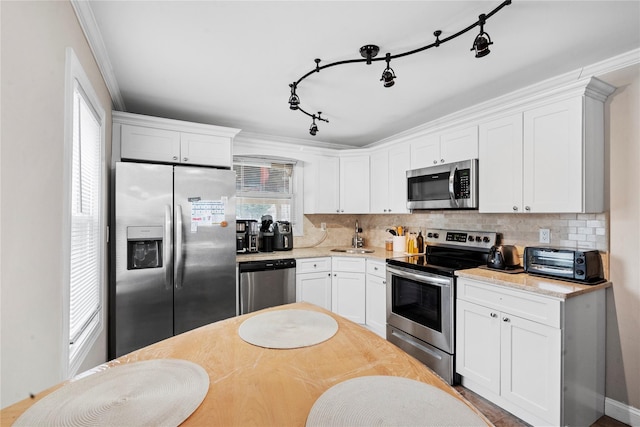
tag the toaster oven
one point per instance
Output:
(567, 264)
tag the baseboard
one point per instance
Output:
(622, 412)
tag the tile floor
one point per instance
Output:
(501, 418)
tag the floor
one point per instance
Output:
(501, 418)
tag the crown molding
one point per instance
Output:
(120, 117)
(249, 138)
(92, 33)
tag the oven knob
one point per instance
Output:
(579, 273)
(436, 235)
(429, 234)
(485, 239)
(579, 261)
(470, 238)
(478, 238)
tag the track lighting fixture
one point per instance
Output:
(482, 41)
(369, 52)
(388, 75)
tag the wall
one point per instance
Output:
(34, 36)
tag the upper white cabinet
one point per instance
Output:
(389, 179)
(354, 184)
(322, 185)
(446, 147)
(154, 139)
(547, 159)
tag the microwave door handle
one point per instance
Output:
(452, 177)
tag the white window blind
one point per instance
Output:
(85, 239)
(264, 187)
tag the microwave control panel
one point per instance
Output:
(462, 187)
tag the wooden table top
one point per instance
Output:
(255, 386)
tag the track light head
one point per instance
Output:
(294, 99)
(388, 75)
(482, 41)
(314, 128)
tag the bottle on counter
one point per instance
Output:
(420, 242)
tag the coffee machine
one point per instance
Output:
(282, 236)
(266, 234)
(247, 231)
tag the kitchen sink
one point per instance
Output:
(353, 250)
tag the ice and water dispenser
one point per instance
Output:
(144, 247)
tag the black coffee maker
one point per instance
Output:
(282, 236)
(266, 234)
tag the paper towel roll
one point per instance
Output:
(399, 243)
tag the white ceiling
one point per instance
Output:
(230, 63)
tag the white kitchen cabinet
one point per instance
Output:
(348, 288)
(445, 147)
(541, 358)
(376, 297)
(389, 179)
(354, 183)
(546, 159)
(313, 281)
(153, 139)
(322, 185)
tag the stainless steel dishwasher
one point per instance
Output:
(266, 284)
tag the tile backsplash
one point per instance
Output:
(585, 231)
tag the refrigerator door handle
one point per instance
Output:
(179, 256)
(168, 247)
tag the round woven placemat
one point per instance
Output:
(161, 392)
(288, 329)
(389, 401)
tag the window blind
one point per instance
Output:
(85, 241)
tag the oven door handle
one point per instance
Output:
(423, 278)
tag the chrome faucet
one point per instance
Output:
(357, 241)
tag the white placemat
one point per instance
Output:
(161, 392)
(389, 401)
(288, 328)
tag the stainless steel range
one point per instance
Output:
(421, 295)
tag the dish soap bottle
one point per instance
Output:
(420, 242)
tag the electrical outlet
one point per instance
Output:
(323, 226)
(545, 235)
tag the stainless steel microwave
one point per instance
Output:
(449, 186)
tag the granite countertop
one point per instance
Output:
(527, 282)
(379, 253)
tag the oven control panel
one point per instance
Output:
(459, 238)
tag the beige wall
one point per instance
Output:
(34, 36)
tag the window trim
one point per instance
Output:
(74, 72)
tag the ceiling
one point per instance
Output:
(230, 63)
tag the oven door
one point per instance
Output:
(421, 304)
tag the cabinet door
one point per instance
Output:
(348, 295)
(380, 181)
(354, 184)
(425, 151)
(322, 185)
(553, 157)
(500, 171)
(531, 367)
(459, 145)
(399, 163)
(314, 288)
(143, 143)
(478, 344)
(376, 304)
(208, 150)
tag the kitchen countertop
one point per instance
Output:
(379, 254)
(527, 282)
(251, 385)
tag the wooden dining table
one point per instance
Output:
(255, 386)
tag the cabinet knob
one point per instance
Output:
(329, 274)
(384, 210)
(441, 160)
(314, 266)
(527, 208)
(185, 159)
(337, 210)
(493, 315)
(384, 282)
(515, 209)
(506, 319)
(375, 268)
(435, 162)
(175, 157)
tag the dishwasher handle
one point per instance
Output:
(276, 264)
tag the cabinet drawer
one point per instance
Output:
(377, 268)
(311, 265)
(527, 305)
(348, 264)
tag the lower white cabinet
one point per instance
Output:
(313, 281)
(376, 297)
(540, 358)
(348, 288)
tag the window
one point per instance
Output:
(86, 242)
(264, 187)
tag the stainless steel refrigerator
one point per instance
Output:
(174, 252)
